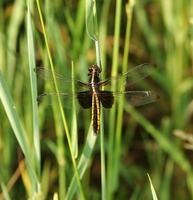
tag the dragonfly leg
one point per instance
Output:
(103, 83)
(83, 84)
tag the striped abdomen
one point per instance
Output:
(95, 113)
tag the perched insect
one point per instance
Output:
(95, 96)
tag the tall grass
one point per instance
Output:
(49, 152)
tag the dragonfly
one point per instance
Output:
(94, 96)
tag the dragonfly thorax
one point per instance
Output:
(93, 73)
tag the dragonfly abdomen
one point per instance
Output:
(95, 113)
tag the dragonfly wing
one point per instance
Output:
(138, 98)
(51, 97)
(135, 98)
(85, 99)
(46, 74)
(106, 98)
(132, 76)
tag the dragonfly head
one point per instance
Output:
(94, 70)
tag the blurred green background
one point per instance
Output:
(154, 139)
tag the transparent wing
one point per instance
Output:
(51, 97)
(138, 98)
(84, 98)
(132, 76)
(46, 74)
(135, 98)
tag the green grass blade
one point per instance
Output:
(12, 115)
(59, 102)
(148, 32)
(92, 31)
(102, 147)
(152, 189)
(33, 83)
(162, 33)
(17, 127)
(74, 129)
(91, 19)
(13, 31)
(118, 137)
(83, 162)
(166, 181)
(58, 150)
(79, 24)
(103, 33)
(5, 192)
(189, 180)
(92, 27)
(110, 165)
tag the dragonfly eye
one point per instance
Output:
(90, 71)
(94, 69)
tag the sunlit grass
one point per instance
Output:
(54, 150)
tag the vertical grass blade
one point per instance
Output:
(110, 166)
(18, 129)
(148, 32)
(83, 162)
(80, 17)
(5, 193)
(13, 31)
(60, 151)
(191, 28)
(166, 181)
(33, 83)
(102, 147)
(92, 27)
(92, 31)
(91, 19)
(103, 33)
(59, 102)
(74, 129)
(152, 189)
(117, 146)
(12, 115)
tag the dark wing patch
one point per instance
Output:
(85, 99)
(106, 98)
